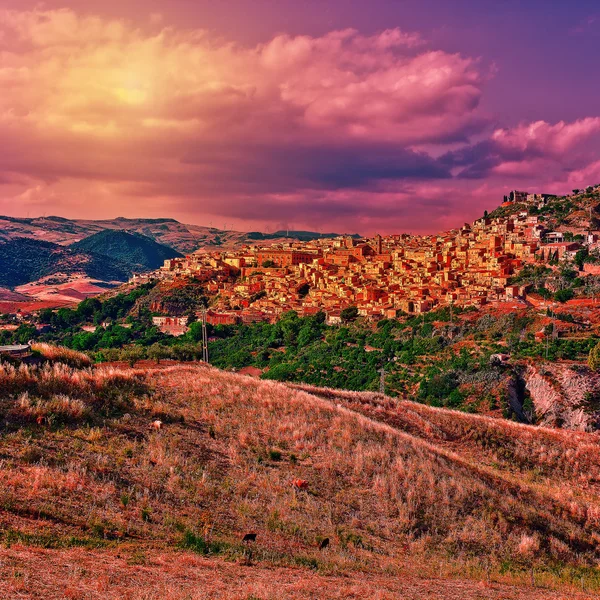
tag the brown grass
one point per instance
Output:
(504, 444)
(143, 575)
(394, 485)
(61, 354)
(57, 392)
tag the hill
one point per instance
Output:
(24, 260)
(10, 296)
(413, 499)
(137, 251)
(575, 213)
(302, 236)
(184, 238)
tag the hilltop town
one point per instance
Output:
(385, 277)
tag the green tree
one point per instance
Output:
(194, 333)
(46, 315)
(25, 333)
(594, 357)
(187, 352)
(349, 314)
(580, 257)
(564, 295)
(132, 354)
(156, 352)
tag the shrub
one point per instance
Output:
(132, 354)
(564, 295)
(275, 455)
(63, 394)
(32, 455)
(77, 360)
(594, 357)
(157, 352)
(198, 544)
(349, 314)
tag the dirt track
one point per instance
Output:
(27, 573)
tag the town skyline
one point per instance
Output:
(387, 277)
(326, 116)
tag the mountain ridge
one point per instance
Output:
(25, 260)
(138, 251)
(182, 237)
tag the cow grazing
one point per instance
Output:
(249, 537)
(324, 543)
(157, 425)
(300, 484)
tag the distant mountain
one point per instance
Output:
(139, 252)
(24, 260)
(182, 237)
(303, 236)
(109, 250)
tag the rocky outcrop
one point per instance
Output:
(566, 396)
(515, 397)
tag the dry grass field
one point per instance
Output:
(106, 575)
(416, 502)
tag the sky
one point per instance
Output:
(362, 116)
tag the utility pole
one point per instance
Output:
(382, 380)
(204, 337)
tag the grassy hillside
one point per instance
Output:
(24, 260)
(133, 249)
(444, 358)
(398, 488)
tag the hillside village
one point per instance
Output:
(385, 277)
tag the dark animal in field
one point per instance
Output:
(249, 537)
(324, 543)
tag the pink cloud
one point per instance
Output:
(546, 138)
(104, 117)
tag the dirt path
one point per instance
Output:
(77, 574)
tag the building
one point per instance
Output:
(516, 196)
(284, 258)
(222, 318)
(175, 326)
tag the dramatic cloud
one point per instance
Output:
(100, 117)
(531, 153)
(542, 138)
